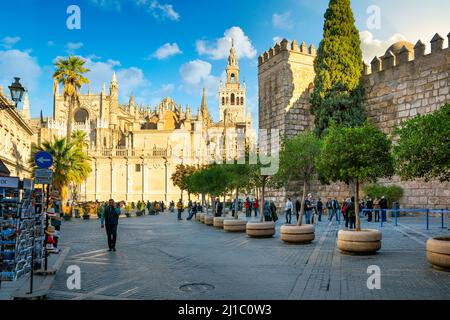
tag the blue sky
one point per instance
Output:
(173, 48)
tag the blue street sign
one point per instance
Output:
(43, 159)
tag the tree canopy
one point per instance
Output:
(423, 148)
(338, 92)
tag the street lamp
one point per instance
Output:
(165, 183)
(17, 91)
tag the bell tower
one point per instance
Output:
(232, 95)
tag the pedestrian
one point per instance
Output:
(298, 206)
(376, 207)
(267, 213)
(149, 206)
(233, 208)
(288, 211)
(344, 212)
(319, 207)
(308, 209)
(189, 207)
(329, 206)
(110, 220)
(273, 211)
(180, 209)
(369, 208)
(256, 207)
(247, 207)
(193, 211)
(351, 213)
(383, 208)
(219, 208)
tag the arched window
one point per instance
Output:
(233, 78)
(232, 99)
(223, 100)
(81, 115)
(242, 101)
(237, 101)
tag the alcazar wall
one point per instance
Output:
(400, 85)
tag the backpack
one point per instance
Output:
(344, 208)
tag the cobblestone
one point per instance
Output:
(156, 255)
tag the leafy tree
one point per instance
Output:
(338, 92)
(182, 171)
(391, 193)
(69, 72)
(360, 154)
(298, 159)
(70, 164)
(423, 148)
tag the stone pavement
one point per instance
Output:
(159, 257)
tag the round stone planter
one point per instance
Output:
(364, 242)
(199, 216)
(297, 234)
(218, 222)
(234, 225)
(438, 253)
(208, 220)
(260, 229)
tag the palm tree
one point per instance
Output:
(69, 72)
(70, 164)
(80, 139)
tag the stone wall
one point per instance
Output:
(398, 86)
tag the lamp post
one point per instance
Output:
(17, 91)
(165, 183)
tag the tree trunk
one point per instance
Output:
(263, 198)
(358, 219)
(302, 207)
(213, 202)
(224, 201)
(69, 119)
(203, 200)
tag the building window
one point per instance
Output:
(232, 99)
(237, 101)
(242, 101)
(138, 167)
(223, 101)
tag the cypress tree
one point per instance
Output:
(338, 93)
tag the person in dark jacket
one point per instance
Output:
(273, 211)
(351, 213)
(369, 207)
(319, 207)
(110, 220)
(383, 207)
(298, 206)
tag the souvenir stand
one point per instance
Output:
(21, 228)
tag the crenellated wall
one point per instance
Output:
(403, 83)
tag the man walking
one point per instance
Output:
(308, 209)
(110, 220)
(351, 213)
(383, 208)
(320, 209)
(180, 209)
(298, 206)
(288, 210)
(330, 209)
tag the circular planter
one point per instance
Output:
(235, 225)
(202, 218)
(260, 229)
(297, 234)
(362, 242)
(438, 253)
(208, 220)
(218, 221)
(199, 216)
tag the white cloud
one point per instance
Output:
(372, 47)
(277, 39)
(283, 20)
(166, 51)
(71, 47)
(220, 48)
(15, 63)
(9, 42)
(196, 74)
(160, 11)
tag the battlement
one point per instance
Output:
(286, 46)
(403, 53)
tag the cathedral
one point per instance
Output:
(134, 150)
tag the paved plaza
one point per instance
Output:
(159, 257)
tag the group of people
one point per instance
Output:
(312, 207)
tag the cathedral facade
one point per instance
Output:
(134, 150)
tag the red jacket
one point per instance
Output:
(256, 204)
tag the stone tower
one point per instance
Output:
(232, 95)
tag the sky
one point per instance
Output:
(161, 48)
